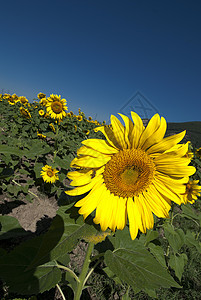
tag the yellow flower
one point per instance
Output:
(192, 191)
(23, 100)
(56, 107)
(25, 113)
(90, 118)
(41, 136)
(43, 101)
(75, 127)
(52, 126)
(69, 114)
(41, 112)
(198, 152)
(41, 96)
(49, 174)
(79, 118)
(135, 172)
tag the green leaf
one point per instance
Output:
(191, 241)
(111, 275)
(158, 253)
(10, 228)
(188, 212)
(175, 237)
(138, 268)
(177, 263)
(37, 169)
(26, 282)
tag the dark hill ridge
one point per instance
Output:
(193, 131)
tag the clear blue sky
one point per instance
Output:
(98, 53)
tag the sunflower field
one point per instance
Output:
(96, 211)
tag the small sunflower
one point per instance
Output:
(90, 118)
(135, 172)
(43, 101)
(25, 113)
(41, 112)
(192, 191)
(75, 127)
(198, 152)
(56, 106)
(49, 174)
(23, 100)
(79, 118)
(69, 115)
(41, 96)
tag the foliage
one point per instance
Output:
(156, 264)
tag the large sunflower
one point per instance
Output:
(135, 172)
(56, 106)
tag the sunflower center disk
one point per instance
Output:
(49, 173)
(129, 173)
(57, 107)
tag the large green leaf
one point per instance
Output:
(135, 265)
(138, 268)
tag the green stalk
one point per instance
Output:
(83, 273)
(56, 141)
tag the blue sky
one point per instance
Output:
(100, 54)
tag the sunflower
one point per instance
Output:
(192, 191)
(79, 118)
(134, 173)
(25, 113)
(41, 96)
(43, 101)
(41, 112)
(90, 118)
(198, 152)
(49, 174)
(23, 100)
(56, 106)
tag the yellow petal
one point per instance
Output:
(128, 131)
(89, 162)
(166, 143)
(157, 136)
(85, 188)
(118, 131)
(137, 129)
(176, 170)
(151, 128)
(100, 146)
(109, 135)
(133, 227)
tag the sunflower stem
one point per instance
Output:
(56, 142)
(84, 271)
